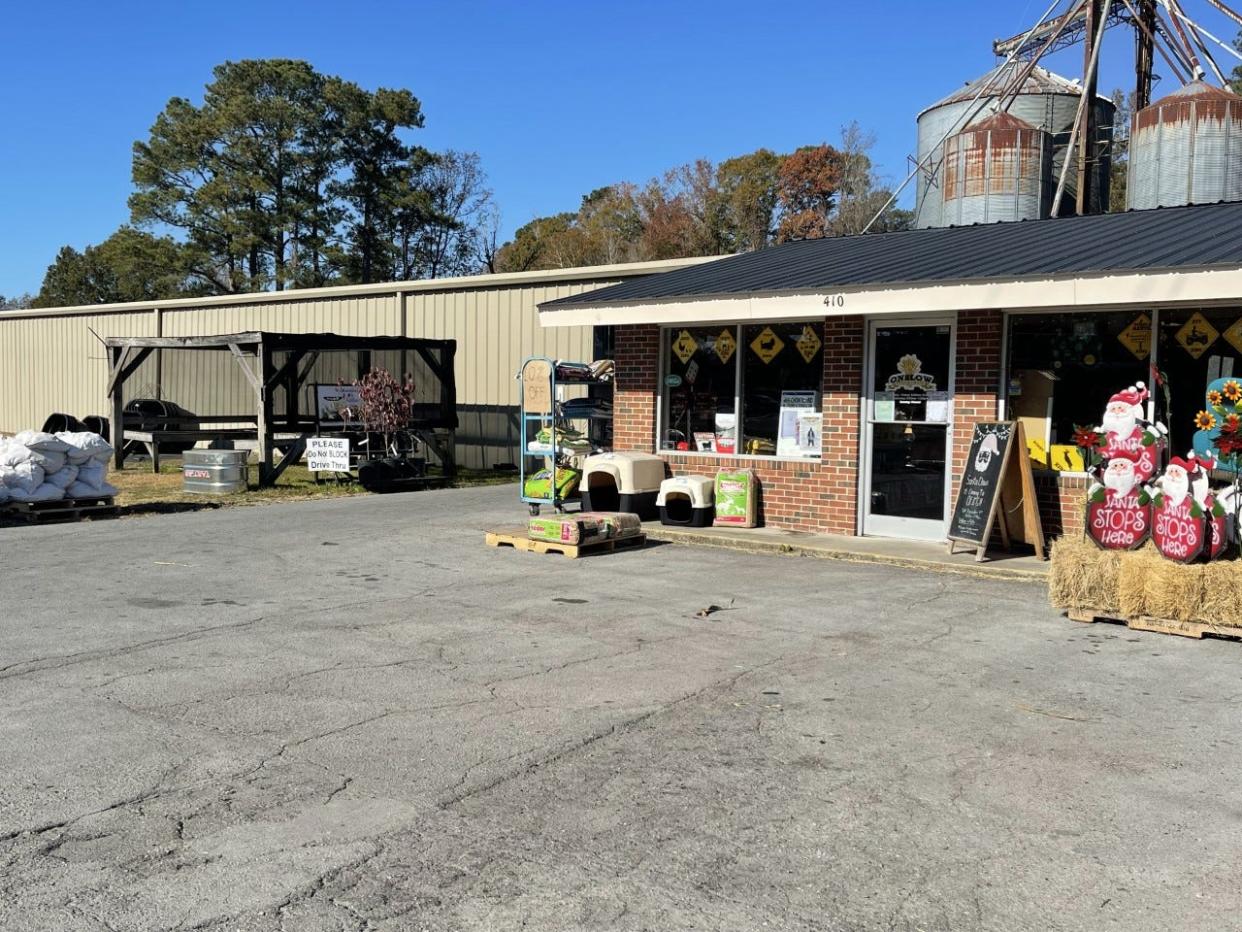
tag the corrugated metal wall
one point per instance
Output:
(51, 362)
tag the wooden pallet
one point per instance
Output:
(518, 540)
(68, 509)
(1186, 629)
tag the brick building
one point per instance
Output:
(849, 372)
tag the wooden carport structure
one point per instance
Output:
(279, 365)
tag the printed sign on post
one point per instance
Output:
(327, 454)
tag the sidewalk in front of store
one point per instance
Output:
(914, 554)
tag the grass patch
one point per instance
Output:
(140, 491)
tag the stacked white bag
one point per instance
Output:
(40, 467)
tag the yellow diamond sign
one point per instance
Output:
(767, 345)
(726, 346)
(809, 343)
(1234, 335)
(1196, 335)
(684, 346)
(1137, 337)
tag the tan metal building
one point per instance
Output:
(51, 359)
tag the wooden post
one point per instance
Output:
(117, 391)
(264, 432)
(448, 401)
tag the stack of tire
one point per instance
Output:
(37, 466)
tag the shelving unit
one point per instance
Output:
(542, 401)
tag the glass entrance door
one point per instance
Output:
(909, 412)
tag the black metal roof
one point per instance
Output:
(1170, 238)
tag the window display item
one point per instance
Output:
(736, 498)
(585, 527)
(686, 501)
(624, 481)
(539, 485)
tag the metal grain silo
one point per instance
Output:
(1045, 100)
(998, 169)
(1186, 149)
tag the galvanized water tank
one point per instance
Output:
(214, 472)
(1187, 149)
(1045, 100)
(998, 169)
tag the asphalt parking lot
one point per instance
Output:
(350, 714)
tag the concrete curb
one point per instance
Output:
(783, 548)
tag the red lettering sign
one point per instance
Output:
(1177, 535)
(1119, 522)
(1217, 542)
(1148, 454)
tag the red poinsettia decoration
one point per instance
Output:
(1086, 438)
(1229, 443)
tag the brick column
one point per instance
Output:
(844, 353)
(977, 380)
(635, 386)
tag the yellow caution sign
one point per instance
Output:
(1137, 337)
(1234, 335)
(726, 346)
(685, 346)
(767, 345)
(1196, 335)
(809, 343)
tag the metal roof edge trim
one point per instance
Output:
(568, 304)
(464, 283)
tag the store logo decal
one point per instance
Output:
(910, 376)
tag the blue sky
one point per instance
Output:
(558, 98)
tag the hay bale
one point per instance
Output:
(1173, 591)
(1132, 574)
(1221, 600)
(1083, 577)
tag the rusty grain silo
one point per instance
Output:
(1045, 100)
(997, 169)
(1186, 148)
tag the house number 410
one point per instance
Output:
(834, 300)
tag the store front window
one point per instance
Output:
(1196, 347)
(769, 374)
(1061, 370)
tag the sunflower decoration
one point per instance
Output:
(1215, 398)
(1233, 391)
(1205, 420)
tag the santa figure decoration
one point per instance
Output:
(1125, 430)
(1118, 505)
(1187, 519)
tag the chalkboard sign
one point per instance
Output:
(996, 490)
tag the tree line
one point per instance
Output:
(741, 204)
(287, 178)
(282, 178)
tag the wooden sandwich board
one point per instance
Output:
(997, 490)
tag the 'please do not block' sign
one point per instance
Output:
(327, 454)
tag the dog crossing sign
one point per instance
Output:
(767, 345)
